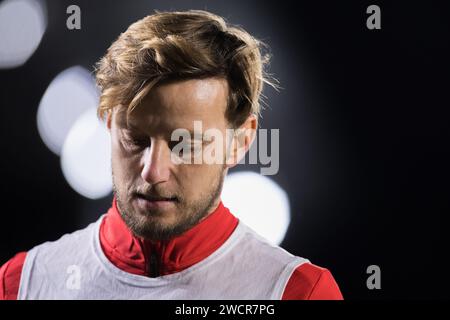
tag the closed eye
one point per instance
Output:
(194, 146)
(133, 142)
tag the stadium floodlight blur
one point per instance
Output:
(247, 193)
(22, 26)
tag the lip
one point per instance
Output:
(152, 204)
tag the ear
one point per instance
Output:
(241, 141)
(109, 120)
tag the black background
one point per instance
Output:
(364, 129)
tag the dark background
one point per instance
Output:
(364, 129)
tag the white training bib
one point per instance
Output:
(246, 266)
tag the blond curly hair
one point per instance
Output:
(168, 46)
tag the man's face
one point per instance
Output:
(158, 198)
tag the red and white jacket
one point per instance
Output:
(137, 256)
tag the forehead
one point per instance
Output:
(178, 104)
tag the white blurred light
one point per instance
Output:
(86, 157)
(22, 25)
(259, 202)
(71, 93)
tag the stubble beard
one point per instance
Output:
(189, 213)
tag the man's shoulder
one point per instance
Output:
(10, 273)
(254, 245)
(305, 281)
(76, 239)
(311, 282)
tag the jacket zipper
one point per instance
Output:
(153, 263)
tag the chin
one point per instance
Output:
(167, 218)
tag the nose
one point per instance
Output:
(156, 160)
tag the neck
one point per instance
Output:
(156, 257)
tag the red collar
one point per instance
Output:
(135, 255)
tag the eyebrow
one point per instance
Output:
(204, 133)
(128, 125)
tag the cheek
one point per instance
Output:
(125, 168)
(196, 179)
